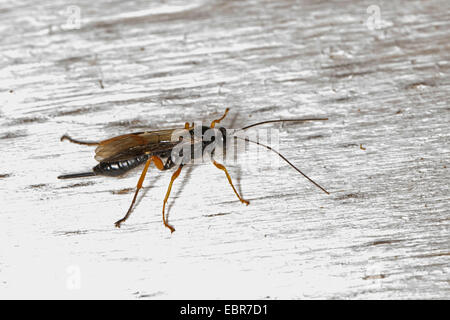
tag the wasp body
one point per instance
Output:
(120, 154)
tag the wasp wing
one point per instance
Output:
(131, 145)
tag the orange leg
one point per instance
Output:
(159, 164)
(220, 119)
(86, 143)
(174, 176)
(222, 167)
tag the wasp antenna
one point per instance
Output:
(284, 158)
(77, 175)
(286, 120)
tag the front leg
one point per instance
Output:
(222, 167)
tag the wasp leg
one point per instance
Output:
(220, 119)
(159, 164)
(174, 176)
(222, 167)
(86, 143)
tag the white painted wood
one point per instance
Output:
(383, 80)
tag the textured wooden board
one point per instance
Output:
(383, 80)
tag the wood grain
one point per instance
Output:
(384, 154)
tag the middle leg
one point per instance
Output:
(174, 176)
(213, 124)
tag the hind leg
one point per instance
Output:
(86, 143)
(158, 163)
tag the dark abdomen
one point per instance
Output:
(117, 168)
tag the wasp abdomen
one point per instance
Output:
(118, 168)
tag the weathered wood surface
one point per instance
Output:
(383, 80)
